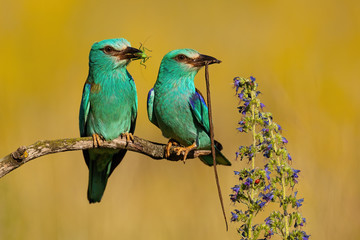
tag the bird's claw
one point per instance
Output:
(171, 142)
(97, 140)
(185, 150)
(129, 137)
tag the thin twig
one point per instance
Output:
(213, 142)
(24, 154)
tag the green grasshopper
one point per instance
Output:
(142, 55)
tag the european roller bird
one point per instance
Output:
(178, 108)
(108, 108)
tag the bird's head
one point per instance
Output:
(186, 61)
(112, 53)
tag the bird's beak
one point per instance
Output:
(202, 60)
(130, 53)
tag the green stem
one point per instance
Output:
(252, 165)
(283, 186)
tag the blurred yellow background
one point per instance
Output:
(304, 54)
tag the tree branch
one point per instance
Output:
(44, 147)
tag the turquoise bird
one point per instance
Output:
(108, 108)
(178, 108)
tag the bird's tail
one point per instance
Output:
(220, 159)
(97, 181)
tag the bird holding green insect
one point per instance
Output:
(108, 108)
(143, 55)
(179, 109)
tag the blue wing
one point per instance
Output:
(84, 109)
(150, 107)
(200, 110)
(134, 107)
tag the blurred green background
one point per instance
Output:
(304, 54)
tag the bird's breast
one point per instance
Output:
(111, 110)
(174, 116)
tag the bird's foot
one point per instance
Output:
(171, 142)
(185, 150)
(97, 140)
(129, 137)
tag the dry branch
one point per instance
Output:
(24, 154)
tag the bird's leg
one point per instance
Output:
(171, 142)
(97, 140)
(129, 137)
(185, 150)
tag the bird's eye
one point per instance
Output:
(108, 49)
(181, 57)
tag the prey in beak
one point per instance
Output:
(198, 61)
(124, 54)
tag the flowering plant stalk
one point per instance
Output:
(273, 184)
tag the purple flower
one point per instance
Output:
(233, 197)
(289, 157)
(262, 105)
(236, 188)
(237, 155)
(252, 78)
(236, 172)
(265, 130)
(241, 122)
(267, 172)
(279, 127)
(303, 221)
(268, 221)
(261, 204)
(240, 129)
(248, 182)
(269, 234)
(241, 96)
(299, 202)
(234, 217)
(295, 175)
(236, 83)
(267, 197)
(266, 154)
(284, 140)
(305, 236)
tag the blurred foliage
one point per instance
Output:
(306, 54)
